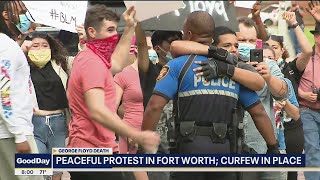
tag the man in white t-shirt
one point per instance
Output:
(16, 91)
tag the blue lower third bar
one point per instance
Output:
(177, 160)
(33, 161)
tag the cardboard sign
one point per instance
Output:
(64, 15)
(245, 4)
(149, 9)
(222, 11)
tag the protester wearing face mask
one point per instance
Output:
(17, 20)
(91, 89)
(292, 70)
(200, 110)
(49, 73)
(288, 122)
(16, 128)
(130, 95)
(153, 56)
(276, 87)
(148, 73)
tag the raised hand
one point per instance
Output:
(263, 69)
(255, 11)
(314, 10)
(81, 33)
(290, 17)
(129, 17)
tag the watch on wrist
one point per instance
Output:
(294, 26)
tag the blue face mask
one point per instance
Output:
(169, 56)
(153, 56)
(24, 23)
(244, 51)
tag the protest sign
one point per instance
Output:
(222, 11)
(245, 4)
(64, 15)
(149, 9)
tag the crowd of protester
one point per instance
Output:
(156, 92)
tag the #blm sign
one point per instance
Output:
(64, 15)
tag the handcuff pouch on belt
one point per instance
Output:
(188, 130)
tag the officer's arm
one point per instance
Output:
(153, 111)
(181, 47)
(263, 123)
(251, 102)
(249, 79)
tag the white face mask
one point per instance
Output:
(153, 56)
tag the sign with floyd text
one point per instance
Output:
(223, 13)
(64, 15)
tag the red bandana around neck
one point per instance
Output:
(103, 48)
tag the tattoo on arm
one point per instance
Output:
(283, 90)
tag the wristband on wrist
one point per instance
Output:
(294, 26)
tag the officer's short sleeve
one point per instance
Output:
(248, 98)
(167, 81)
(245, 66)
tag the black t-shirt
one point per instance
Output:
(290, 71)
(148, 81)
(49, 88)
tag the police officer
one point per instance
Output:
(204, 108)
(148, 73)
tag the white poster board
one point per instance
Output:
(149, 9)
(64, 15)
(244, 4)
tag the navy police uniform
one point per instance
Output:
(202, 105)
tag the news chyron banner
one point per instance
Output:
(102, 159)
